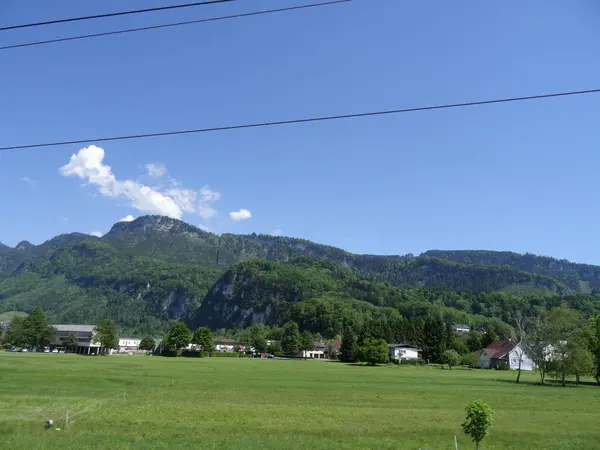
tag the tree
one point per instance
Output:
(204, 339)
(451, 357)
(374, 351)
(37, 333)
(16, 333)
(470, 360)
(593, 328)
(290, 341)
(257, 339)
(349, 346)
(435, 338)
(475, 341)
(519, 335)
(178, 337)
(478, 421)
(71, 342)
(274, 348)
(563, 328)
(106, 334)
(147, 344)
(307, 342)
(581, 361)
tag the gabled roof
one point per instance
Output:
(75, 328)
(404, 346)
(499, 348)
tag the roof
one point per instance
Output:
(224, 341)
(319, 344)
(499, 348)
(404, 346)
(75, 328)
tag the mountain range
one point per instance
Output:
(155, 269)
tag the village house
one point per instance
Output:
(404, 351)
(319, 351)
(507, 351)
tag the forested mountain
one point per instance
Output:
(578, 277)
(154, 269)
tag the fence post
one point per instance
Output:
(455, 443)
(67, 420)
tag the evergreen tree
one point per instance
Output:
(349, 346)
(435, 338)
(37, 333)
(71, 342)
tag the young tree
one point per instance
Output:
(290, 341)
(257, 339)
(203, 338)
(147, 344)
(374, 351)
(307, 342)
(349, 346)
(478, 421)
(71, 342)
(106, 334)
(470, 360)
(451, 357)
(519, 335)
(178, 337)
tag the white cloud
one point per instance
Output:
(276, 232)
(205, 228)
(96, 233)
(64, 219)
(242, 214)
(88, 164)
(156, 169)
(29, 181)
(128, 218)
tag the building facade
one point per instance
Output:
(404, 351)
(85, 338)
(506, 351)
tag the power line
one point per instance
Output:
(114, 14)
(308, 120)
(177, 24)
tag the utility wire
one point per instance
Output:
(177, 24)
(308, 120)
(114, 14)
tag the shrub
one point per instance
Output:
(502, 365)
(191, 353)
(470, 360)
(394, 361)
(478, 421)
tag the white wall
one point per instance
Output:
(513, 360)
(404, 353)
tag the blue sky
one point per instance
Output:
(521, 177)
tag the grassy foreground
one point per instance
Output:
(162, 403)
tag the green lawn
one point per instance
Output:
(151, 402)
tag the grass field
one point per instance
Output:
(163, 403)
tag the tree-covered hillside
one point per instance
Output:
(155, 269)
(321, 295)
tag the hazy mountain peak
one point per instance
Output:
(159, 224)
(24, 245)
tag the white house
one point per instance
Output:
(317, 353)
(504, 351)
(404, 351)
(127, 344)
(461, 328)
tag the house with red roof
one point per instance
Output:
(504, 350)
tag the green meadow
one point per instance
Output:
(146, 402)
